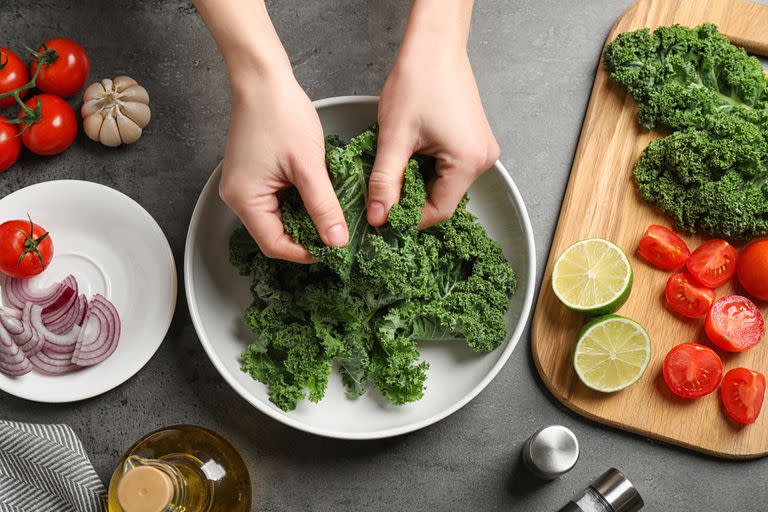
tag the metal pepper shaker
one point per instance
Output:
(551, 452)
(612, 492)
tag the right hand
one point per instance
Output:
(275, 140)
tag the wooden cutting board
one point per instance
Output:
(601, 201)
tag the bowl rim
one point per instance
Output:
(285, 418)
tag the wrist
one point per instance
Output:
(437, 28)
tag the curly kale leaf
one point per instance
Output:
(710, 173)
(367, 306)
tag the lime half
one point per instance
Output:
(592, 277)
(611, 353)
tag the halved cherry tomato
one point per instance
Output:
(10, 145)
(662, 248)
(734, 323)
(692, 370)
(713, 263)
(13, 74)
(26, 249)
(743, 391)
(68, 73)
(686, 297)
(55, 131)
(752, 269)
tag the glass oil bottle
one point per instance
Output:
(182, 468)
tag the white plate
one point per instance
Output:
(217, 297)
(114, 247)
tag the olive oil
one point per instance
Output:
(182, 468)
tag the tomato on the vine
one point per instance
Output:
(67, 73)
(53, 125)
(26, 249)
(10, 145)
(13, 74)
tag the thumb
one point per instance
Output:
(392, 154)
(323, 207)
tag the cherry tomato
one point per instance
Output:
(10, 145)
(713, 263)
(12, 75)
(26, 249)
(734, 324)
(753, 269)
(743, 391)
(692, 370)
(67, 74)
(662, 248)
(57, 128)
(686, 297)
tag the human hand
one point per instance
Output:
(430, 105)
(275, 140)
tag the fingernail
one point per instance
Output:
(376, 211)
(337, 235)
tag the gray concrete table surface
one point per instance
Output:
(534, 61)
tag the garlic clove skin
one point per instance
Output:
(115, 111)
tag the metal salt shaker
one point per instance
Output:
(612, 492)
(551, 452)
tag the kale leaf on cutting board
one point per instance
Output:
(368, 305)
(710, 173)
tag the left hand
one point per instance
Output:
(430, 105)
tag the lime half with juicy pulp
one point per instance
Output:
(592, 277)
(611, 353)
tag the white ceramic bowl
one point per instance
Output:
(217, 297)
(113, 247)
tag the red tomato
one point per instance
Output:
(753, 269)
(10, 145)
(67, 74)
(734, 324)
(692, 370)
(26, 249)
(12, 75)
(743, 391)
(686, 297)
(55, 131)
(713, 263)
(662, 248)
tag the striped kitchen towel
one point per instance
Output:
(44, 468)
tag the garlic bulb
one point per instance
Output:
(115, 111)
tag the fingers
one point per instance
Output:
(321, 203)
(392, 154)
(267, 229)
(445, 192)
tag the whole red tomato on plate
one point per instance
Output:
(752, 269)
(54, 128)
(26, 249)
(10, 145)
(13, 74)
(67, 73)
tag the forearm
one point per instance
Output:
(435, 25)
(245, 36)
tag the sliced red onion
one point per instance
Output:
(61, 321)
(100, 334)
(13, 362)
(54, 342)
(29, 340)
(12, 324)
(57, 310)
(15, 313)
(82, 304)
(19, 291)
(52, 363)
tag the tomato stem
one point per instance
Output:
(46, 57)
(31, 244)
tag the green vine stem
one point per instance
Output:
(31, 116)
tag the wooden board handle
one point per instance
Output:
(747, 26)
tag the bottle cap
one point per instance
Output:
(145, 489)
(551, 452)
(618, 492)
